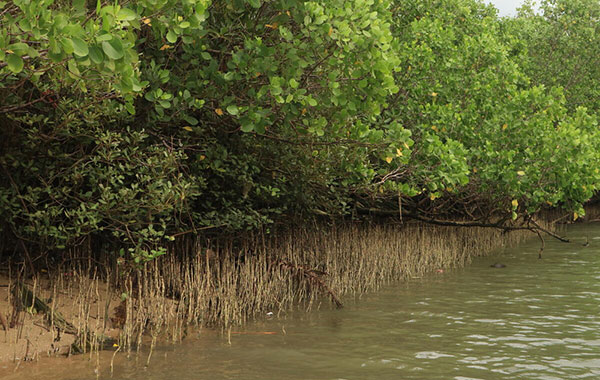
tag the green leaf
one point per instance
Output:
(73, 69)
(247, 127)
(25, 25)
(190, 119)
(104, 37)
(15, 63)
(67, 45)
(79, 5)
(19, 48)
(96, 55)
(113, 49)
(80, 47)
(130, 108)
(232, 109)
(255, 3)
(126, 14)
(171, 37)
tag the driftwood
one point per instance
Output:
(313, 276)
(28, 301)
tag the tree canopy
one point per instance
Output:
(134, 123)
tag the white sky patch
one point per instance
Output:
(506, 7)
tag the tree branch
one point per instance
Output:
(453, 223)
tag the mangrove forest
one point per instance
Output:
(204, 161)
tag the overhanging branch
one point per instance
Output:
(531, 225)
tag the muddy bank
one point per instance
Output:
(29, 331)
(208, 283)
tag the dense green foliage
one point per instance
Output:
(136, 122)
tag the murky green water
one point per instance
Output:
(534, 319)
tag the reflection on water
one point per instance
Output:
(534, 319)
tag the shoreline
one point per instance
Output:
(224, 286)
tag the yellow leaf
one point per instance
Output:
(288, 13)
(202, 157)
(521, 173)
(474, 170)
(399, 152)
(188, 128)
(504, 126)
(434, 128)
(432, 197)
(272, 26)
(147, 21)
(330, 31)
(303, 111)
(389, 159)
(575, 216)
(515, 203)
(165, 47)
(219, 111)
(434, 94)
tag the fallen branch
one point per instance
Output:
(311, 275)
(550, 233)
(29, 301)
